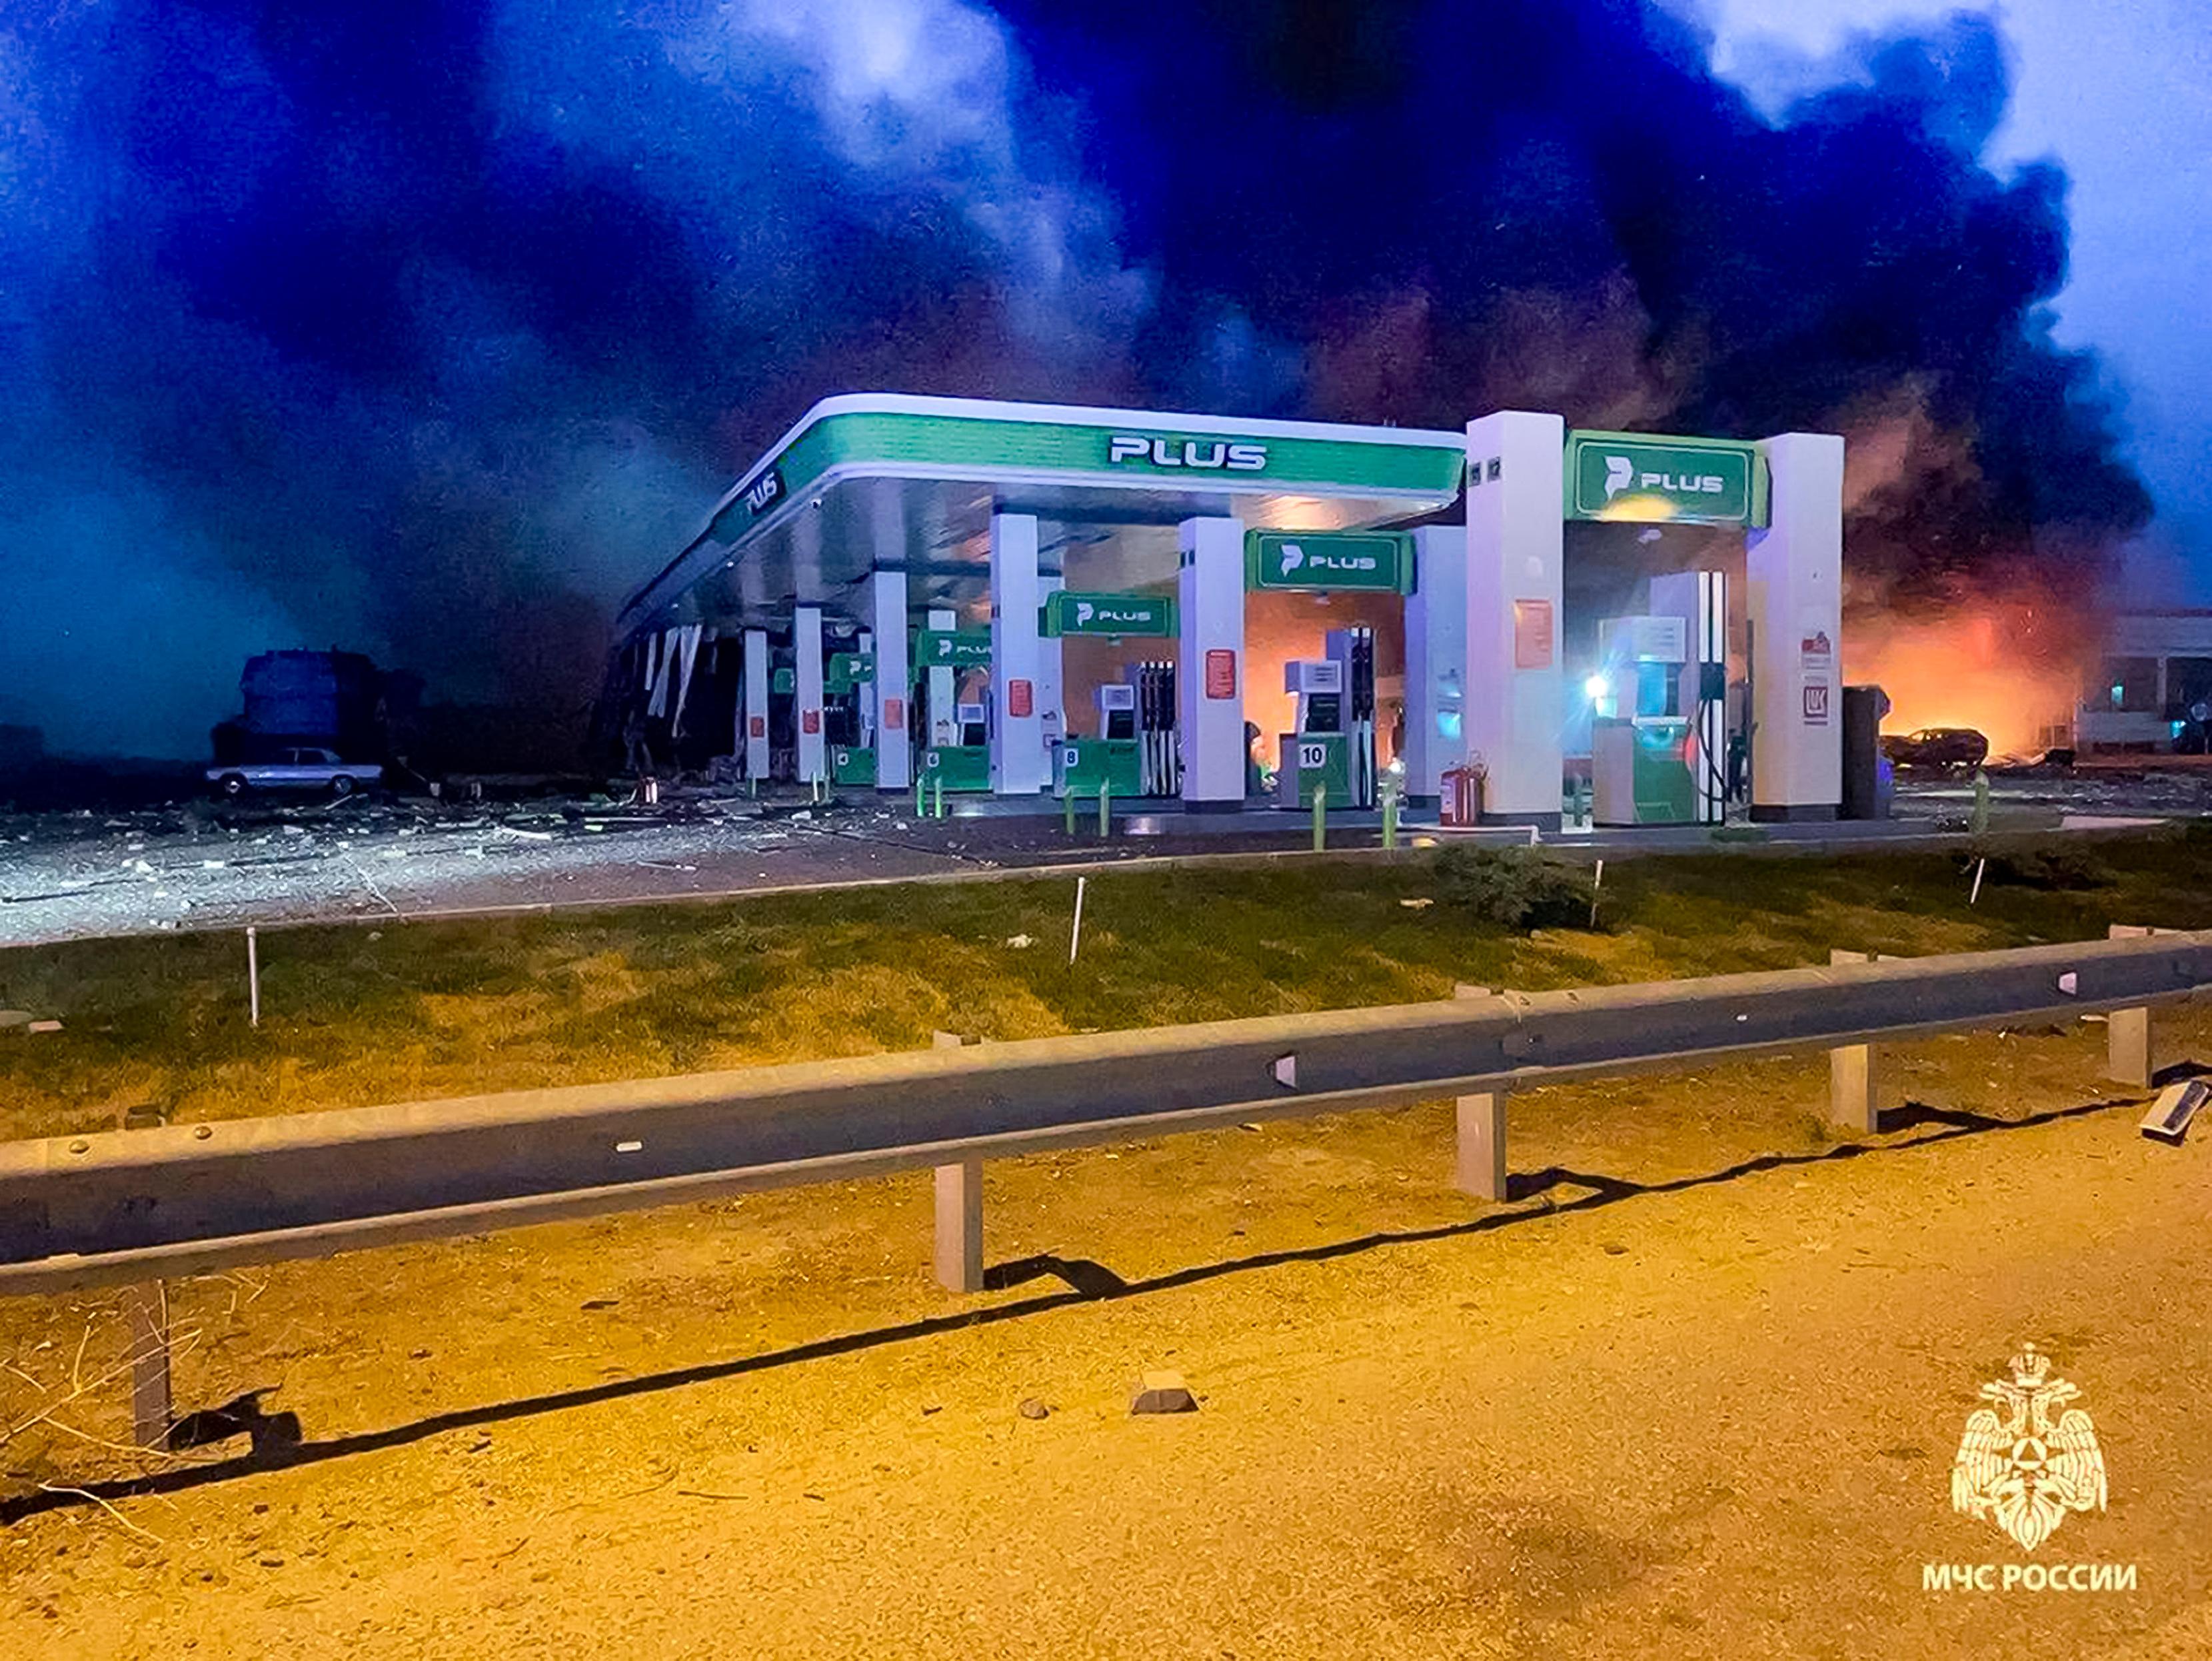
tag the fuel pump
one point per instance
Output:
(1317, 754)
(1640, 750)
(1355, 649)
(848, 719)
(957, 750)
(1700, 600)
(783, 715)
(1112, 757)
(1160, 746)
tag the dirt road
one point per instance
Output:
(1694, 1392)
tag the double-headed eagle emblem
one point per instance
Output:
(2019, 1469)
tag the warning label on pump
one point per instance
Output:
(1220, 673)
(1020, 701)
(811, 722)
(894, 712)
(757, 727)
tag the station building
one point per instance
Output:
(2152, 691)
(1029, 600)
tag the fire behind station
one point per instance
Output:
(1027, 601)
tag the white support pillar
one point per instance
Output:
(959, 1254)
(942, 681)
(756, 704)
(806, 640)
(1479, 1161)
(1210, 680)
(1436, 660)
(894, 748)
(1052, 680)
(1020, 765)
(1794, 568)
(1514, 702)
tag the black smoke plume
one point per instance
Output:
(429, 328)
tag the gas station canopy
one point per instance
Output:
(905, 582)
(877, 480)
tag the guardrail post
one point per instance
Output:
(1853, 1078)
(960, 1225)
(146, 1326)
(1481, 1153)
(146, 1318)
(2127, 1031)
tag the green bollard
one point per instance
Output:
(918, 777)
(1390, 816)
(1067, 808)
(1105, 814)
(1320, 816)
(937, 790)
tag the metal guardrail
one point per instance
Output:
(134, 1206)
(106, 1207)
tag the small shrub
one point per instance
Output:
(1514, 888)
(2050, 868)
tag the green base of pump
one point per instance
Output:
(1314, 761)
(852, 765)
(1660, 789)
(958, 766)
(1079, 765)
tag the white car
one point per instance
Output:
(295, 770)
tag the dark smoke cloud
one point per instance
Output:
(429, 328)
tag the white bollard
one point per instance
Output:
(2127, 1031)
(959, 1256)
(1853, 1077)
(1480, 1161)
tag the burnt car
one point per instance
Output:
(1936, 746)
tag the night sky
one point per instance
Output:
(430, 329)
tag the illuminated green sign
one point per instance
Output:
(1377, 560)
(1646, 479)
(942, 648)
(1071, 613)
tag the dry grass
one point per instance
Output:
(355, 1015)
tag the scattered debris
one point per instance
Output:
(2177, 1104)
(1162, 1392)
(1020, 942)
(1033, 1408)
(1421, 904)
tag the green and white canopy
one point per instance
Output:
(880, 479)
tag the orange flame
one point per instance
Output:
(1989, 664)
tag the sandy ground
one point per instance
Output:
(1694, 1392)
